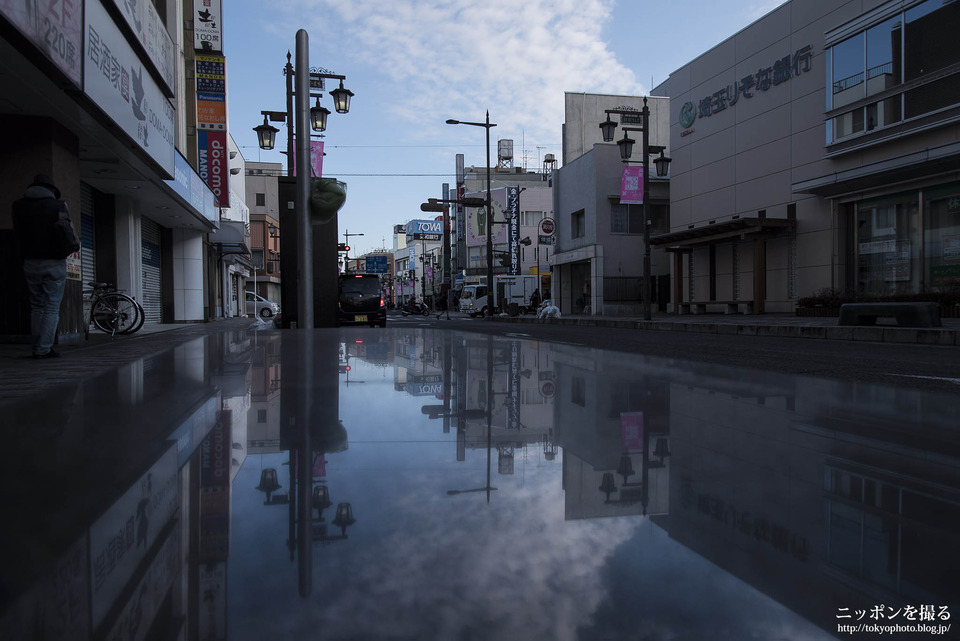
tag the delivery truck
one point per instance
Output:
(509, 290)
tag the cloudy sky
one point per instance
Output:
(415, 63)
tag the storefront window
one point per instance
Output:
(888, 247)
(942, 238)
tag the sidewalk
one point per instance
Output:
(21, 375)
(779, 325)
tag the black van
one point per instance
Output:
(360, 301)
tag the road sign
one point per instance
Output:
(547, 226)
(545, 240)
(376, 264)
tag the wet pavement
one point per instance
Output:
(211, 481)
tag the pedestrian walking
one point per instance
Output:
(35, 222)
(451, 301)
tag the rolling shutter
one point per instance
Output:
(150, 248)
(88, 249)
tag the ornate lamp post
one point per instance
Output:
(300, 118)
(491, 293)
(662, 163)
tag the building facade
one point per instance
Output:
(111, 114)
(264, 202)
(598, 255)
(818, 149)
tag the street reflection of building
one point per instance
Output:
(823, 495)
(263, 419)
(518, 395)
(612, 421)
(146, 532)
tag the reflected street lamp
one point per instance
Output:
(607, 128)
(491, 293)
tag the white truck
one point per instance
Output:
(510, 289)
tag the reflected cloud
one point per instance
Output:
(627, 496)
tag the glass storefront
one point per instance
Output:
(909, 243)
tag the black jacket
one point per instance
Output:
(33, 218)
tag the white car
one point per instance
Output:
(257, 305)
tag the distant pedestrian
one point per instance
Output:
(535, 299)
(44, 262)
(451, 301)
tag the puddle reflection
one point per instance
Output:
(440, 485)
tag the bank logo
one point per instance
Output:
(688, 113)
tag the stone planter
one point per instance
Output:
(819, 311)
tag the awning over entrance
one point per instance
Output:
(232, 237)
(741, 228)
(915, 166)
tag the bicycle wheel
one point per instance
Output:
(141, 316)
(116, 313)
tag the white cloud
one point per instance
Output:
(452, 58)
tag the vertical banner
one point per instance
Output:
(513, 217)
(631, 185)
(211, 93)
(460, 215)
(631, 430)
(316, 158)
(212, 148)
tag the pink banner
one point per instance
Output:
(631, 185)
(631, 430)
(316, 158)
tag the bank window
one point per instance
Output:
(888, 246)
(907, 47)
(578, 224)
(941, 210)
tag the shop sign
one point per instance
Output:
(425, 229)
(207, 34)
(146, 23)
(212, 148)
(782, 70)
(114, 77)
(55, 28)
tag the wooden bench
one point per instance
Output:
(905, 314)
(700, 307)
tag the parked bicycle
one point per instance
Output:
(114, 312)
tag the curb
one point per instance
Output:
(875, 334)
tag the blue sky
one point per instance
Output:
(412, 64)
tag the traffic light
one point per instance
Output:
(343, 247)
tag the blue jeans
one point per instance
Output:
(45, 281)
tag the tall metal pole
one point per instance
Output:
(423, 270)
(305, 232)
(491, 294)
(645, 115)
(288, 72)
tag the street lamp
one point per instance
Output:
(607, 128)
(491, 294)
(299, 118)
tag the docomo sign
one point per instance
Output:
(212, 146)
(547, 226)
